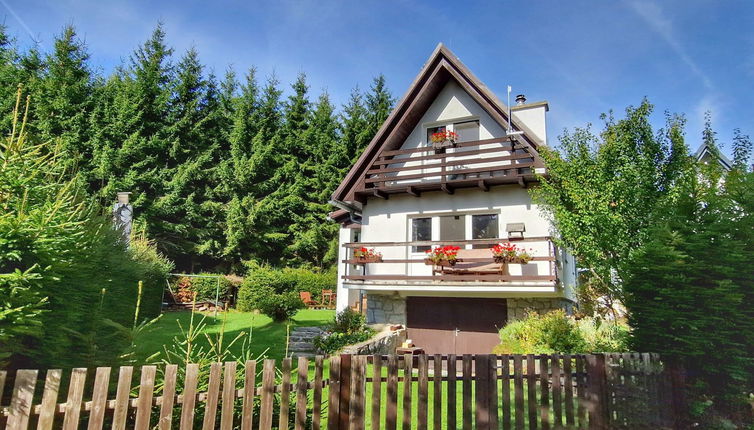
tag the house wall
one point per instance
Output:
(344, 296)
(389, 221)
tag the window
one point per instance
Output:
(484, 227)
(421, 229)
(453, 227)
(467, 131)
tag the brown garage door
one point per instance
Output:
(450, 325)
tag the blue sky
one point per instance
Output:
(584, 57)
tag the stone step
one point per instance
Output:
(303, 354)
(308, 329)
(306, 339)
(306, 333)
(300, 346)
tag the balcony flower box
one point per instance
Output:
(440, 263)
(443, 139)
(370, 259)
(511, 260)
(508, 253)
(443, 256)
(366, 255)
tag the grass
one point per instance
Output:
(266, 335)
(270, 336)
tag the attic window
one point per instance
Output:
(467, 131)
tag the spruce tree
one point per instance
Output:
(65, 100)
(354, 132)
(134, 154)
(379, 103)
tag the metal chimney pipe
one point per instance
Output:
(520, 99)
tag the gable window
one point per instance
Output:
(421, 229)
(484, 227)
(467, 131)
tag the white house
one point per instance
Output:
(404, 196)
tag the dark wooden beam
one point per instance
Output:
(452, 277)
(381, 194)
(445, 242)
(447, 188)
(516, 168)
(483, 185)
(413, 191)
(522, 181)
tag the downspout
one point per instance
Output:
(356, 219)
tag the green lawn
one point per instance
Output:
(266, 334)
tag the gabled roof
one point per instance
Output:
(441, 67)
(705, 151)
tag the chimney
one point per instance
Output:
(123, 214)
(520, 99)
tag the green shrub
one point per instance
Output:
(278, 306)
(556, 332)
(288, 279)
(60, 255)
(348, 327)
(604, 336)
(334, 342)
(348, 321)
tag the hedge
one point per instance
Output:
(281, 281)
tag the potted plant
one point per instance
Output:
(442, 256)
(443, 139)
(366, 255)
(506, 253)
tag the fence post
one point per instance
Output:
(596, 391)
(345, 391)
(678, 394)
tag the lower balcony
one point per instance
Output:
(404, 265)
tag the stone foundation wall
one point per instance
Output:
(390, 309)
(386, 309)
(383, 343)
(517, 308)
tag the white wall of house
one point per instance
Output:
(391, 221)
(345, 297)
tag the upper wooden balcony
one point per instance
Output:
(474, 164)
(404, 263)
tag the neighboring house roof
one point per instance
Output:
(705, 153)
(441, 67)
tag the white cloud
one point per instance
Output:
(653, 15)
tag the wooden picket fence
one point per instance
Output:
(596, 391)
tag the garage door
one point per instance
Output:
(449, 325)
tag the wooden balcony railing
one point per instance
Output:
(479, 163)
(469, 267)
